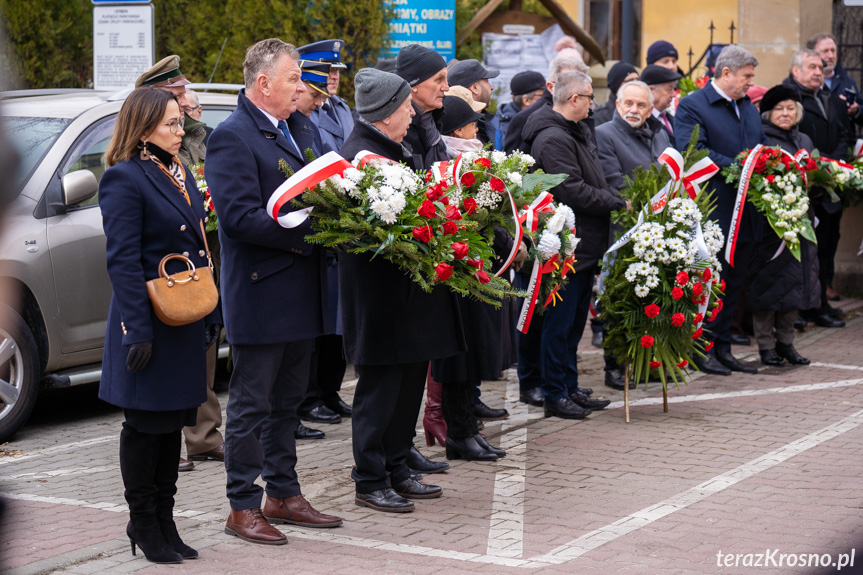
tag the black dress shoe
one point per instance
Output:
(385, 500)
(413, 489)
(586, 391)
(532, 397)
(788, 352)
(415, 474)
(303, 432)
(834, 312)
(418, 462)
(582, 400)
(488, 446)
(321, 414)
(482, 411)
(824, 320)
(710, 364)
(770, 357)
(339, 407)
(737, 339)
(725, 358)
(616, 379)
(565, 408)
(467, 449)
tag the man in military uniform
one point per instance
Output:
(334, 118)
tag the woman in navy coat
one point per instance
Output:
(156, 373)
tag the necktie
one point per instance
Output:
(283, 126)
(736, 108)
(664, 117)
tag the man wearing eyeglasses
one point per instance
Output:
(194, 146)
(561, 143)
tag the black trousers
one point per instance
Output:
(827, 233)
(457, 403)
(736, 279)
(267, 384)
(385, 410)
(326, 373)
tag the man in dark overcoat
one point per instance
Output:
(728, 123)
(273, 288)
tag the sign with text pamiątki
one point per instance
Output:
(122, 44)
(430, 23)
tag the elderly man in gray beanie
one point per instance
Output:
(389, 337)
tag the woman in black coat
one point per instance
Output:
(782, 285)
(155, 372)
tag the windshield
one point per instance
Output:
(32, 138)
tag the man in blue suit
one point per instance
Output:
(728, 123)
(273, 288)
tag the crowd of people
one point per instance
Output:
(296, 315)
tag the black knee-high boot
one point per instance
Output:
(138, 459)
(166, 484)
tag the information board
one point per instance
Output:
(122, 44)
(430, 23)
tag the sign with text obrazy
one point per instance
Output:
(122, 44)
(430, 23)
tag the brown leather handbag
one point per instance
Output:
(187, 296)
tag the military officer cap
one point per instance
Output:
(323, 52)
(165, 74)
(315, 75)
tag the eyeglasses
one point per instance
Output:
(192, 108)
(591, 96)
(173, 125)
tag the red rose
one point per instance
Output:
(655, 364)
(484, 162)
(426, 209)
(452, 213)
(760, 164)
(810, 165)
(423, 233)
(698, 319)
(677, 293)
(677, 319)
(444, 271)
(646, 341)
(474, 263)
(469, 205)
(467, 180)
(706, 274)
(429, 176)
(459, 250)
(482, 276)
(433, 193)
(445, 200)
(708, 346)
(497, 185)
(449, 228)
(770, 178)
(682, 364)
(651, 310)
(683, 278)
(697, 289)
(697, 333)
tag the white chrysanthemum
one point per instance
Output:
(568, 215)
(652, 282)
(468, 158)
(642, 268)
(631, 274)
(373, 193)
(555, 223)
(642, 290)
(649, 256)
(549, 244)
(515, 178)
(497, 157)
(571, 243)
(353, 175)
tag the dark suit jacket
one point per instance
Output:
(273, 281)
(724, 136)
(333, 133)
(146, 218)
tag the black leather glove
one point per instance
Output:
(139, 356)
(212, 334)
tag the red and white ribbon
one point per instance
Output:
(364, 157)
(328, 165)
(530, 215)
(740, 202)
(858, 148)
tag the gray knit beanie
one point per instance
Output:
(378, 94)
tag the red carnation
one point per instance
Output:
(651, 310)
(452, 213)
(722, 285)
(497, 185)
(444, 271)
(467, 180)
(770, 178)
(677, 293)
(700, 299)
(655, 364)
(708, 346)
(482, 276)
(426, 209)
(697, 333)
(698, 319)
(646, 341)
(428, 176)
(682, 278)
(718, 305)
(459, 250)
(682, 364)
(810, 165)
(423, 233)
(706, 274)
(697, 289)
(484, 162)
(677, 319)
(449, 228)
(469, 205)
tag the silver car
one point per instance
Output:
(52, 250)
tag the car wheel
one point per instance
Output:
(19, 372)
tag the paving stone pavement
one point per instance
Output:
(765, 464)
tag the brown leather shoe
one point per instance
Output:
(297, 511)
(185, 465)
(250, 525)
(217, 453)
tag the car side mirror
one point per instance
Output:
(79, 186)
